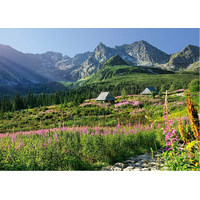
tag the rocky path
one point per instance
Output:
(146, 162)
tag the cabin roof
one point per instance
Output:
(105, 96)
(148, 90)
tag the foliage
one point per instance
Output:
(153, 94)
(194, 85)
(76, 148)
(182, 156)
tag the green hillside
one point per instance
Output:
(134, 80)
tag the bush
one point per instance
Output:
(194, 85)
(153, 94)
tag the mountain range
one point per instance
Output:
(17, 68)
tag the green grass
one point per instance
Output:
(99, 136)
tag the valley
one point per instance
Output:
(50, 119)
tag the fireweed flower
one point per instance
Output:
(49, 140)
(165, 117)
(19, 146)
(56, 136)
(13, 139)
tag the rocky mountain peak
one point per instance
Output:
(185, 57)
(100, 47)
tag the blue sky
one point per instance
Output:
(71, 41)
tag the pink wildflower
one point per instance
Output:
(118, 125)
(165, 117)
(50, 140)
(13, 139)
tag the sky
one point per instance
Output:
(71, 41)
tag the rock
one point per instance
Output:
(145, 169)
(131, 164)
(138, 164)
(129, 168)
(134, 158)
(129, 161)
(120, 165)
(117, 169)
(145, 165)
(153, 163)
(137, 169)
(145, 156)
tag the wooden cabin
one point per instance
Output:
(106, 97)
(148, 91)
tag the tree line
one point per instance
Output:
(87, 91)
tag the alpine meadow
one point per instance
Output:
(128, 108)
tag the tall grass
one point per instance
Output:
(76, 148)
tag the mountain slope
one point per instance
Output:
(144, 53)
(24, 68)
(182, 59)
(116, 60)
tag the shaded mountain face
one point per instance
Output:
(116, 60)
(36, 68)
(183, 59)
(23, 68)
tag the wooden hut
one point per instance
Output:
(148, 91)
(106, 97)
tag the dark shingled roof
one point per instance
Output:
(105, 96)
(148, 90)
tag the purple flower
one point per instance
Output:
(165, 117)
(118, 125)
(19, 146)
(174, 139)
(168, 143)
(174, 131)
(49, 140)
(13, 139)
(167, 137)
(92, 134)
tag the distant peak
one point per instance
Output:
(101, 44)
(143, 41)
(189, 46)
(140, 42)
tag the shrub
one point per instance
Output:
(194, 85)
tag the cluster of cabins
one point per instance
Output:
(107, 96)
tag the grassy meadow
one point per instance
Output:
(93, 135)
